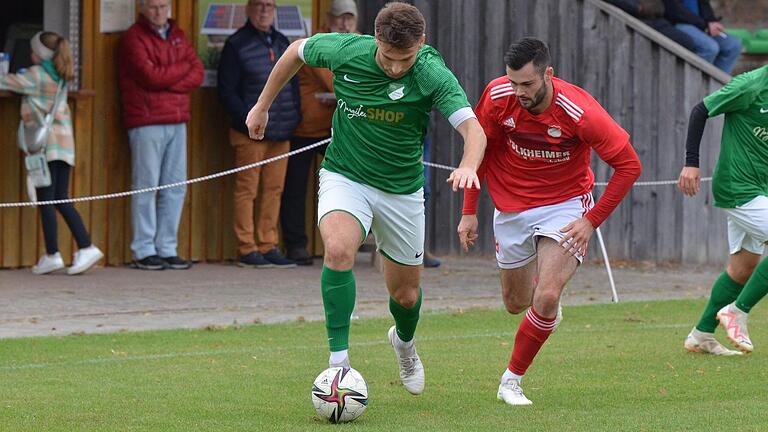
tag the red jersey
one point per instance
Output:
(533, 160)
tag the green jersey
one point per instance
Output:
(741, 173)
(380, 122)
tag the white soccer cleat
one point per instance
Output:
(411, 368)
(705, 343)
(734, 321)
(84, 259)
(511, 392)
(558, 317)
(48, 264)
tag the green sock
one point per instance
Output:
(338, 288)
(724, 291)
(755, 288)
(405, 319)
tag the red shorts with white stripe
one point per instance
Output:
(516, 233)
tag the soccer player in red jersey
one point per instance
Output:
(541, 131)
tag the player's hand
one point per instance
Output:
(467, 231)
(689, 182)
(577, 235)
(462, 178)
(257, 122)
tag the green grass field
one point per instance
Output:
(609, 367)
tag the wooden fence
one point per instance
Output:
(646, 82)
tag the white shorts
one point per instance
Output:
(516, 232)
(397, 221)
(748, 226)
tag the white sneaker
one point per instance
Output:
(734, 321)
(411, 368)
(48, 263)
(705, 343)
(558, 318)
(511, 392)
(84, 259)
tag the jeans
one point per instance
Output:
(722, 51)
(158, 157)
(58, 191)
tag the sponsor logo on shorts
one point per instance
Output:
(419, 254)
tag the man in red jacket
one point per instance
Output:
(158, 70)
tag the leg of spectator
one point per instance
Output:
(170, 202)
(146, 143)
(668, 29)
(730, 49)
(48, 216)
(268, 201)
(247, 151)
(705, 46)
(293, 203)
(60, 172)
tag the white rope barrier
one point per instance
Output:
(167, 186)
(247, 167)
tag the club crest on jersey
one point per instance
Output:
(396, 91)
(510, 122)
(554, 131)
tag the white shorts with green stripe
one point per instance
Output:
(748, 226)
(397, 221)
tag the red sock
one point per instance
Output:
(531, 335)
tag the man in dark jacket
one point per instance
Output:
(158, 70)
(246, 62)
(651, 12)
(697, 19)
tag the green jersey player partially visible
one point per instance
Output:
(740, 188)
(372, 176)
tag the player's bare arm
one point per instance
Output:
(285, 68)
(465, 176)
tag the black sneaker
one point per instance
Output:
(253, 260)
(430, 261)
(177, 263)
(152, 262)
(278, 260)
(301, 256)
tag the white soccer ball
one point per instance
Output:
(340, 394)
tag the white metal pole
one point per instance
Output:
(614, 294)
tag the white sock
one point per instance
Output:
(402, 346)
(339, 357)
(508, 374)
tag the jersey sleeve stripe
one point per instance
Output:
(301, 49)
(501, 87)
(501, 95)
(568, 110)
(569, 102)
(460, 116)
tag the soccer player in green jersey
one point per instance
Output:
(372, 176)
(740, 187)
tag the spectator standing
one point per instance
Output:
(246, 62)
(158, 70)
(697, 19)
(653, 13)
(53, 67)
(317, 106)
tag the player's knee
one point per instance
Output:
(406, 298)
(549, 299)
(515, 307)
(741, 273)
(338, 253)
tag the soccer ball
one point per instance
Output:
(339, 394)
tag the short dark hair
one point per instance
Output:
(528, 50)
(400, 25)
